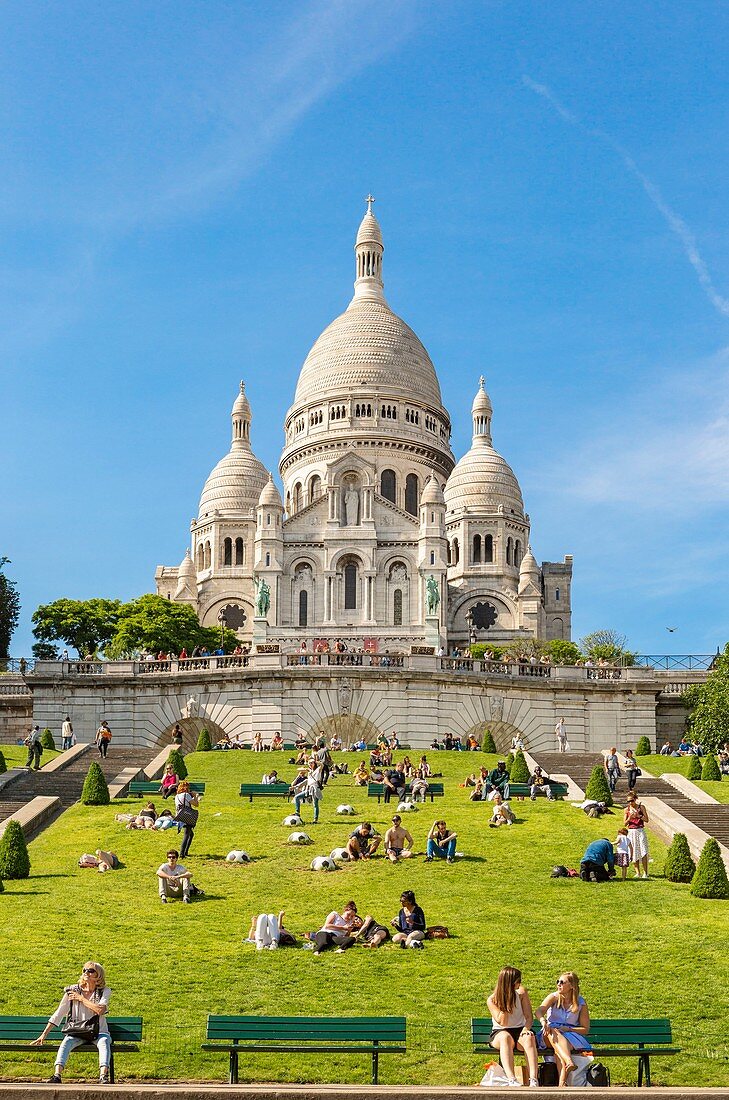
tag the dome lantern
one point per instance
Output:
(482, 411)
(240, 416)
(368, 251)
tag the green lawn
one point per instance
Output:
(16, 755)
(634, 944)
(659, 765)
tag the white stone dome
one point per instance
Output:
(270, 494)
(481, 481)
(234, 485)
(368, 345)
(432, 493)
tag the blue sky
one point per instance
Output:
(182, 183)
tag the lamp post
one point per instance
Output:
(223, 623)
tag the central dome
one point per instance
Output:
(368, 345)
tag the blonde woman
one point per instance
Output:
(565, 1021)
(186, 814)
(84, 1006)
(512, 1019)
(361, 776)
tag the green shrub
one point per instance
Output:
(598, 786)
(562, 653)
(710, 880)
(478, 649)
(14, 859)
(3, 764)
(710, 772)
(487, 742)
(2, 886)
(47, 740)
(204, 744)
(519, 771)
(680, 866)
(643, 748)
(177, 760)
(694, 768)
(95, 792)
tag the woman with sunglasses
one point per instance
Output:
(512, 1019)
(84, 1006)
(565, 1023)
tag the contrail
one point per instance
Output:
(674, 221)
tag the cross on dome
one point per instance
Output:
(369, 200)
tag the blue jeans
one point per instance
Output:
(443, 851)
(299, 798)
(103, 1045)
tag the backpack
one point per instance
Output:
(559, 872)
(548, 1075)
(598, 1075)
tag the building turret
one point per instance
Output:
(269, 542)
(186, 590)
(368, 251)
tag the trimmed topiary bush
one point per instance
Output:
(643, 748)
(3, 764)
(710, 772)
(680, 866)
(204, 744)
(47, 740)
(177, 760)
(95, 792)
(14, 858)
(694, 768)
(487, 742)
(519, 771)
(598, 786)
(710, 880)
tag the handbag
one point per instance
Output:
(437, 932)
(598, 1075)
(548, 1075)
(187, 815)
(87, 1030)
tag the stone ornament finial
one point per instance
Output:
(369, 200)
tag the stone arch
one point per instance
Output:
(502, 733)
(209, 615)
(191, 728)
(349, 727)
(507, 617)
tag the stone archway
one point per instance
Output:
(349, 728)
(191, 728)
(502, 733)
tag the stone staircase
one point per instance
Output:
(713, 819)
(67, 783)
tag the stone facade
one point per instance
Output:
(373, 505)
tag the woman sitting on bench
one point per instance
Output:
(512, 1018)
(84, 1006)
(565, 1023)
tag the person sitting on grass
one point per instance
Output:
(597, 855)
(472, 744)
(145, 819)
(361, 775)
(398, 841)
(372, 933)
(424, 771)
(363, 842)
(539, 784)
(335, 743)
(338, 930)
(481, 785)
(512, 1019)
(169, 782)
(498, 780)
(267, 930)
(441, 843)
(174, 880)
(565, 1023)
(394, 783)
(502, 813)
(277, 743)
(410, 922)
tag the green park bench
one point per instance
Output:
(264, 790)
(609, 1039)
(373, 1035)
(522, 790)
(16, 1033)
(144, 786)
(377, 790)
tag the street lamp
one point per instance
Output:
(223, 623)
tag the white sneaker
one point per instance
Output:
(513, 1083)
(533, 1083)
(644, 875)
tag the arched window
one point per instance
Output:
(397, 607)
(350, 586)
(432, 557)
(303, 607)
(488, 548)
(448, 553)
(297, 496)
(557, 628)
(227, 551)
(508, 551)
(268, 558)
(456, 555)
(314, 488)
(517, 552)
(200, 558)
(411, 494)
(388, 485)
(288, 504)
(476, 549)
(239, 551)
(208, 556)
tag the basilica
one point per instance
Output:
(381, 538)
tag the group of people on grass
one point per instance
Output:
(398, 842)
(631, 846)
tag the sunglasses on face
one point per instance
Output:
(89, 970)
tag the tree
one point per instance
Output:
(598, 786)
(14, 858)
(204, 744)
(709, 721)
(710, 880)
(487, 742)
(519, 771)
(607, 645)
(156, 624)
(710, 772)
(47, 740)
(95, 792)
(694, 768)
(85, 625)
(562, 653)
(643, 748)
(45, 651)
(680, 866)
(9, 609)
(177, 760)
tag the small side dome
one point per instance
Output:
(369, 231)
(432, 493)
(186, 579)
(270, 495)
(187, 566)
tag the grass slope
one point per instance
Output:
(173, 964)
(659, 765)
(16, 755)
